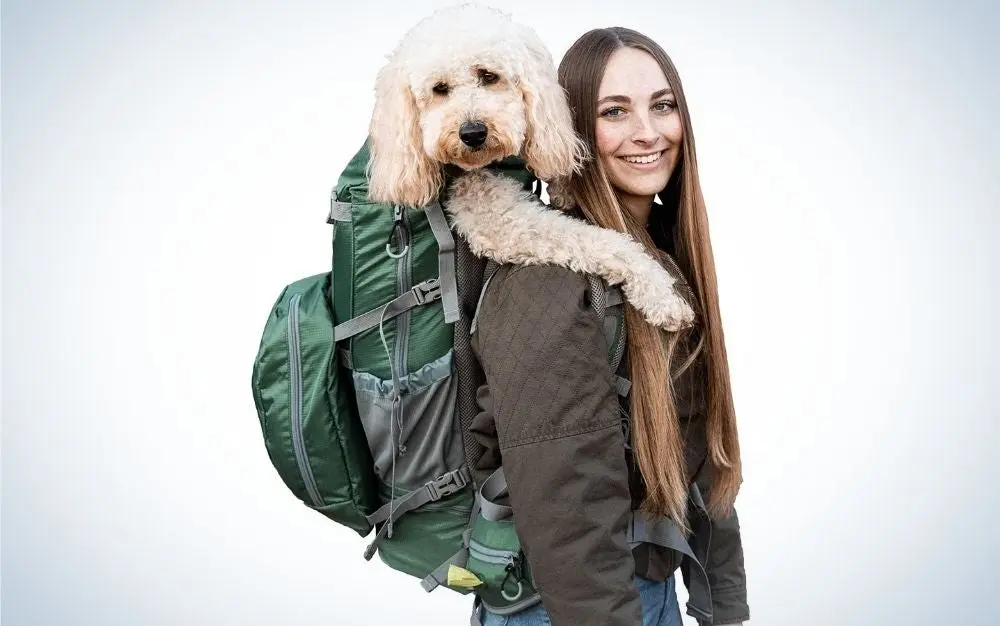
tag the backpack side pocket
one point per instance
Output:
(306, 408)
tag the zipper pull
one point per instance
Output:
(513, 568)
(397, 234)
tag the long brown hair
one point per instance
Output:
(657, 439)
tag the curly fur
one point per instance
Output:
(414, 130)
(503, 222)
(414, 135)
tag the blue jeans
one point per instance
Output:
(659, 607)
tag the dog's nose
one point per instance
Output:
(472, 134)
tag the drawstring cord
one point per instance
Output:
(395, 421)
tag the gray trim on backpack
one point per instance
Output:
(492, 489)
(421, 417)
(665, 533)
(423, 293)
(662, 532)
(491, 270)
(622, 385)
(339, 211)
(613, 296)
(603, 298)
(446, 260)
(432, 491)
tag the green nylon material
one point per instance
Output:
(362, 277)
(498, 535)
(366, 277)
(336, 450)
(427, 537)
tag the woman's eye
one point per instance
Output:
(441, 89)
(613, 112)
(666, 105)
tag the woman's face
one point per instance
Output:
(638, 126)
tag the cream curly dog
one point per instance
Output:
(468, 86)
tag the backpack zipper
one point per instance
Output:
(404, 280)
(489, 555)
(295, 381)
(512, 564)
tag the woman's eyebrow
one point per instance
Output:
(614, 98)
(619, 98)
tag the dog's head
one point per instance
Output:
(466, 86)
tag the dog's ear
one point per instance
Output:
(399, 170)
(552, 149)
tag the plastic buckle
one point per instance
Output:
(446, 485)
(333, 201)
(427, 291)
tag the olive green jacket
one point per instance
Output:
(551, 415)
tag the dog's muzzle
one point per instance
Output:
(472, 134)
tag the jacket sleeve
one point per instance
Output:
(544, 355)
(724, 564)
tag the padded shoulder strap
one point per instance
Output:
(604, 299)
(490, 271)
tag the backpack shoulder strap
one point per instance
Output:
(490, 271)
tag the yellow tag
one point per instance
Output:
(462, 578)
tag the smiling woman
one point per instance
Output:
(638, 129)
(683, 470)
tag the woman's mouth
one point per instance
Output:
(643, 161)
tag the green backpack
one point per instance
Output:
(365, 387)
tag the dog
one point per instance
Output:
(468, 86)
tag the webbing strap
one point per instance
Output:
(477, 612)
(492, 489)
(431, 492)
(345, 358)
(699, 590)
(610, 333)
(440, 575)
(622, 385)
(665, 533)
(339, 211)
(491, 270)
(446, 260)
(613, 297)
(598, 294)
(427, 291)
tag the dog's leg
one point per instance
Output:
(508, 225)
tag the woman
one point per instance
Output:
(574, 478)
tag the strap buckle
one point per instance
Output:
(447, 484)
(333, 203)
(427, 291)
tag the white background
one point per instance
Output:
(166, 169)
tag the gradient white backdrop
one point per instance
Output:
(166, 169)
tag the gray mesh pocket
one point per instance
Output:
(420, 427)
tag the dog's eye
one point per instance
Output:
(441, 89)
(488, 78)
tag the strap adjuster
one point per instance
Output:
(427, 291)
(446, 485)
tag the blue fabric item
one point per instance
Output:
(659, 607)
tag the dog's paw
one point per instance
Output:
(655, 297)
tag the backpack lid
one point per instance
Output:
(352, 186)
